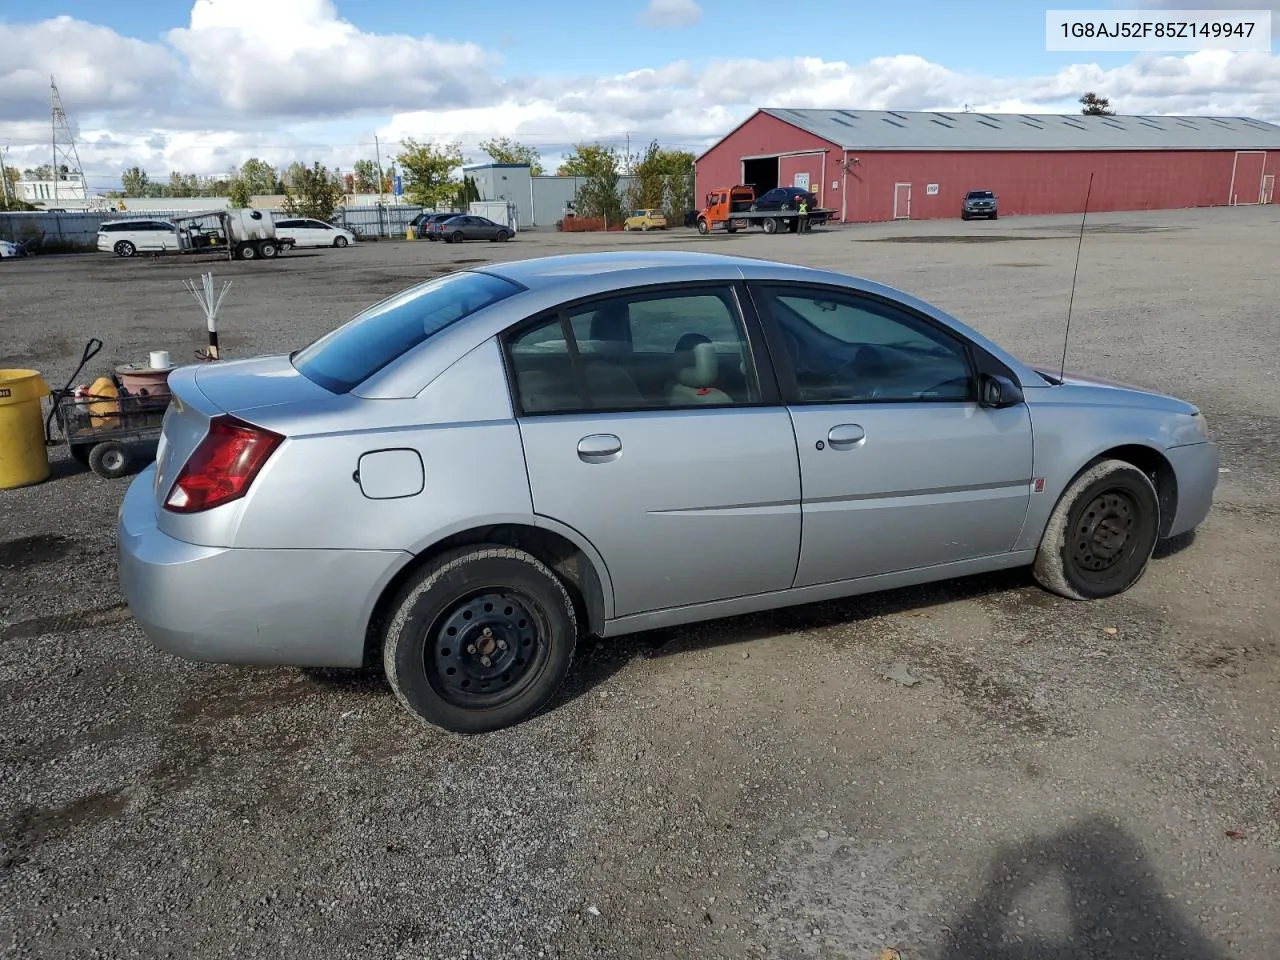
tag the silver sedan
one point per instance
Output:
(471, 475)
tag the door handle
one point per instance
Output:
(846, 435)
(599, 448)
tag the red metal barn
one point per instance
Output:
(869, 165)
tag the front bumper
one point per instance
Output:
(305, 608)
(1195, 465)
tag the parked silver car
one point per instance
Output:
(473, 473)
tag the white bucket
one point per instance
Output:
(160, 360)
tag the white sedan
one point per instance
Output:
(10, 249)
(314, 233)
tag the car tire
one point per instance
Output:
(456, 237)
(109, 459)
(434, 648)
(702, 227)
(995, 216)
(1081, 559)
(125, 249)
(268, 249)
(340, 241)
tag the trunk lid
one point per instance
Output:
(243, 388)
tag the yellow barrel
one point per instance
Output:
(24, 459)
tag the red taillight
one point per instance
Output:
(222, 466)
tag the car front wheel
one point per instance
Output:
(1101, 534)
(340, 241)
(479, 639)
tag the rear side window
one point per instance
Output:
(355, 351)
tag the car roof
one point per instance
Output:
(571, 269)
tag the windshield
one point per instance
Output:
(365, 344)
(979, 194)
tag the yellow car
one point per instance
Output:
(645, 220)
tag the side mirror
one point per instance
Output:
(998, 392)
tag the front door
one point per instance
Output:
(902, 201)
(901, 467)
(645, 430)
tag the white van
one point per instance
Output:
(124, 238)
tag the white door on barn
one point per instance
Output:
(1268, 187)
(902, 201)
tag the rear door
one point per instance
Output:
(902, 468)
(649, 426)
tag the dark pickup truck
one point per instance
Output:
(980, 203)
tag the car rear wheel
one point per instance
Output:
(480, 639)
(1101, 534)
(125, 249)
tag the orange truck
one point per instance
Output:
(735, 208)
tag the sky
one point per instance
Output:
(200, 86)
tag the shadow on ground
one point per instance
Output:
(1113, 907)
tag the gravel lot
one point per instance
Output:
(1065, 780)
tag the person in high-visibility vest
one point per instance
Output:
(802, 225)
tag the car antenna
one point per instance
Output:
(1062, 372)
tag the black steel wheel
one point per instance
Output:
(1101, 534)
(109, 459)
(486, 648)
(480, 639)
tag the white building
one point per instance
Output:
(53, 192)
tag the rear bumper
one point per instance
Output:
(306, 608)
(1196, 467)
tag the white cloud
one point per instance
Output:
(671, 13)
(302, 83)
(298, 58)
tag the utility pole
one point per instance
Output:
(4, 176)
(377, 153)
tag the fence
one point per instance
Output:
(78, 231)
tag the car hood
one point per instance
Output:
(1112, 391)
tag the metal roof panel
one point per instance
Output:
(936, 130)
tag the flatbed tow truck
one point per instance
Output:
(732, 209)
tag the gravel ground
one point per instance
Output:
(970, 771)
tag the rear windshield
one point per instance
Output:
(355, 351)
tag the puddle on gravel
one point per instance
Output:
(66, 622)
(33, 550)
(33, 826)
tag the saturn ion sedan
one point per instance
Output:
(473, 474)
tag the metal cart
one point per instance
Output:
(98, 430)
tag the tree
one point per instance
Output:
(598, 196)
(467, 191)
(365, 176)
(428, 171)
(134, 181)
(182, 185)
(663, 180)
(260, 177)
(1096, 106)
(312, 192)
(42, 172)
(239, 192)
(506, 150)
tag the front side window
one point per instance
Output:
(671, 350)
(847, 348)
(349, 355)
